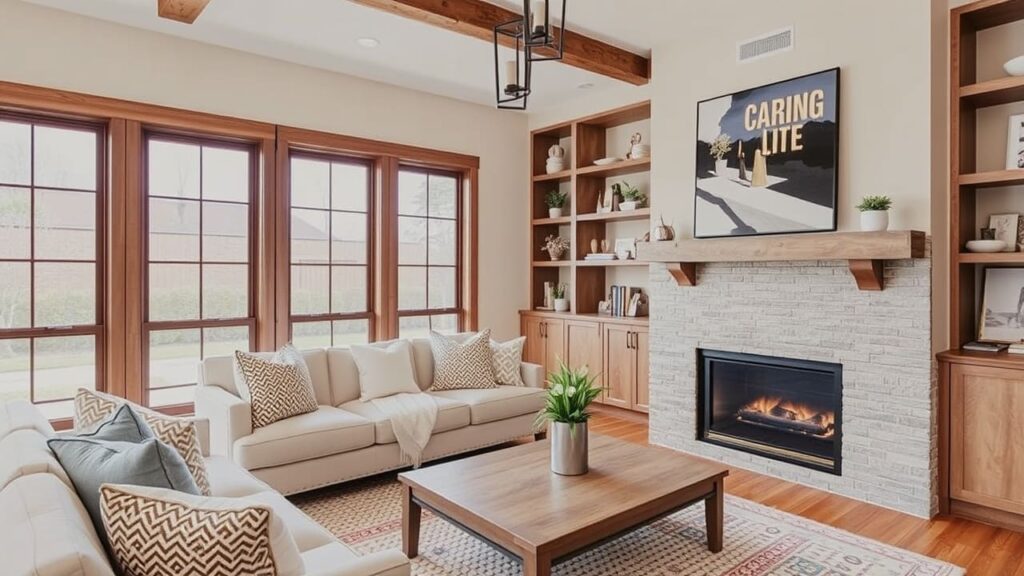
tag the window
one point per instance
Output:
(51, 260)
(429, 250)
(329, 230)
(199, 299)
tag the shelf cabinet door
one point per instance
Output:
(534, 352)
(987, 436)
(583, 349)
(554, 344)
(619, 366)
(641, 394)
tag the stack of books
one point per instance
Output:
(600, 256)
(625, 301)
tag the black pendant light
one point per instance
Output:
(535, 40)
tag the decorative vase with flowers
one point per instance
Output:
(874, 213)
(555, 246)
(561, 302)
(555, 200)
(556, 159)
(570, 392)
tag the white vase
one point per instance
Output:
(627, 206)
(554, 167)
(720, 166)
(561, 305)
(874, 220)
(569, 448)
(554, 212)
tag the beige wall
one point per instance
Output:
(50, 48)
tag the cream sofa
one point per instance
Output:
(45, 530)
(346, 438)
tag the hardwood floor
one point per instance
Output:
(980, 548)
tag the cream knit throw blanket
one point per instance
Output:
(412, 418)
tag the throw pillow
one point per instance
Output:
(462, 365)
(90, 463)
(508, 359)
(157, 532)
(276, 391)
(385, 371)
(92, 407)
(287, 354)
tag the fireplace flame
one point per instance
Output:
(767, 410)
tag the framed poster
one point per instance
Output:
(1002, 306)
(1015, 143)
(767, 159)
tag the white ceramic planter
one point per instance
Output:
(628, 206)
(874, 220)
(720, 166)
(561, 304)
(554, 212)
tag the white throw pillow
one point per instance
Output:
(508, 360)
(385, 371)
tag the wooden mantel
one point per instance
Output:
(865, 252)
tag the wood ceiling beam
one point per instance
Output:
(185, 11)
(477, 18)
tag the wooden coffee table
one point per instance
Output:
(511, 500)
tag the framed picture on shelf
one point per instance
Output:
(1002, 306)
(768, 158)
(1006, 227)
(1015, 143)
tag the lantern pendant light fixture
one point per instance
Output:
(534, 39)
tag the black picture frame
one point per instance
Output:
(741, 228)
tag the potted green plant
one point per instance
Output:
(561, 302)
(721, 146)
(874, 213)
(555, 246)
(570, 392)
(632, 197)
(555, 199)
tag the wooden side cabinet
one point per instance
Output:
(625, 366)
(583, 348)
(987, 436)
(545, 341)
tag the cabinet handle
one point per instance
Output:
(629, 340)
(543, 329)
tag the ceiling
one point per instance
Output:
(324, 34)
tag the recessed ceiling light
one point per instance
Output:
(586, 86)
(368, 42)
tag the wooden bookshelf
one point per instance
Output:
(585, 140)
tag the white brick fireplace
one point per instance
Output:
(810, 311)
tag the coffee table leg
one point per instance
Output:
(535, 565)
(411, 513)
(713, 516)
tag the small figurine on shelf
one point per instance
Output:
(636, 149)
(556, 160)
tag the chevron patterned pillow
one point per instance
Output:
(462, 365)
(158, 532)
(276, 391)
(92, 408)
(508, 359)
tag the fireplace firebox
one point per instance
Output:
(789, 410)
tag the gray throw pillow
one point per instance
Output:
(90, 463)
(124, 425)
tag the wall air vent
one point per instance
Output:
(764, 46)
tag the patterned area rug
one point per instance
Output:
(759, 541)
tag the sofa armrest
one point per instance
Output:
(533, 375)
(202, 433)
(384, 563)
(230, 417)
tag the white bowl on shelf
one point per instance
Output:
(1015, 67)
(607, 161)
(986, 246)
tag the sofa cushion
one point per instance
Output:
(25, 452)
(451, 415)
(229, 480)
(306, 533)
(323, 559)
(21, 415)
(385, 371)
(508, 361)
(275, 390)
(498, 403)
(153, 532)
(46, 532)
(326, 431)
(466, 364)
(220, 371)
(345, 375)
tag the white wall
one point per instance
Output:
(45, 47)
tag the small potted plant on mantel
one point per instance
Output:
(555, 246)
(721, 146)
(874, 213)
(555, 199)
(633, 198)
(561, 302)
(570, 392)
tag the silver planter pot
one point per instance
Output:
(568, 449)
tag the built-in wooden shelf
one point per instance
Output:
(563, 176)
(994, 92)
(992, 179)
(988, 13)
(991, 258)
(997, 359)
(618, 216)
(632, 320)
(551, 263)
(865, 252)
(616, 169)
(611, 263)
(552, 221)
